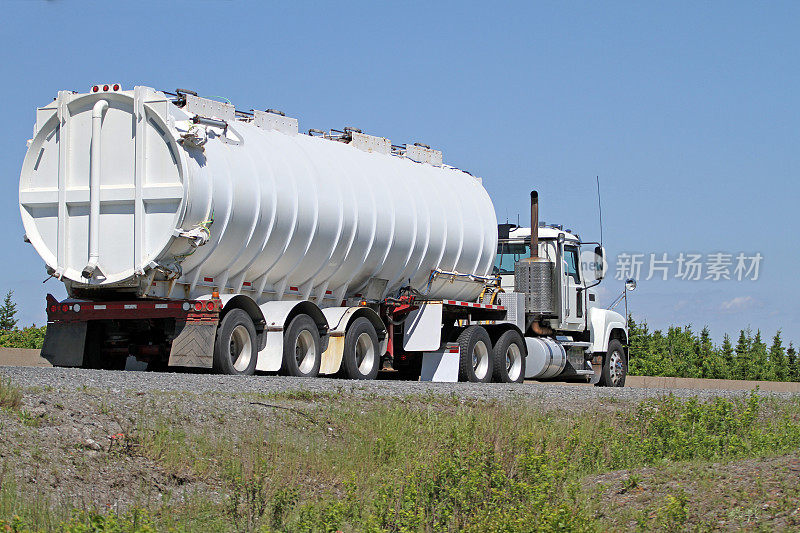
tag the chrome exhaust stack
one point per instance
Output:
(533, 275)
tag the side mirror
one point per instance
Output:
(599, 263)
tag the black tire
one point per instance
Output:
(301, 339)
(509, 358)
(615, 366)
(475, 359)
(236, 349)
(361, 359)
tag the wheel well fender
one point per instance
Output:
(340, 319)
(309, 308)
(372, 316)
(247, 304)
(620, 335)
(495, 331)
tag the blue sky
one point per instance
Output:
(687, 111)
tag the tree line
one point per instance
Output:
(13, 337)
(681, 352)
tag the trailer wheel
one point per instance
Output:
(361, 358)
(235, 349)
(509, 358)
(476, 361)
(301, 348)
(615, 366)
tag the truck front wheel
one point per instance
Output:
(615, 366)
(476, 361)
(235, 349)
(301, 348)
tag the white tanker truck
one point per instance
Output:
(190, 234)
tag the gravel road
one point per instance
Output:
(137, 382)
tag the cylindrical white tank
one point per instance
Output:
(283, 214)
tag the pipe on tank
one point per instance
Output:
(94, 190)
(534, 224)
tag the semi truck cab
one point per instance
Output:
(575, 321)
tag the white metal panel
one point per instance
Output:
(441, 365)
(423, 328)
(423, 154)
(289, 216)
(273, 121)
(210, 108)
(370, 143)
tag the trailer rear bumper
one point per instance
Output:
(190, 344)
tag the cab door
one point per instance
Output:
(573, 296)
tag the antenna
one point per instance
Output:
(600, 209)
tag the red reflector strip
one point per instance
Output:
(208, 280)
(475, 305)
(328, 292)
(295, 289)
(246, 284)
(452, 350)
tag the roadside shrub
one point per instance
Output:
(685, 430)
(31, 337)
(134, 521)
(470, 488)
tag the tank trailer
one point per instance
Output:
(191, 234)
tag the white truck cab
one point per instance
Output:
(575, 321)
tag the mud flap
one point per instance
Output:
(332, 356)
(194, 345)
(64, 342)
(441, 365)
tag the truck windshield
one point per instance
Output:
(508, 253)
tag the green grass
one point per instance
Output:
(423, 463)
(10, 394)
